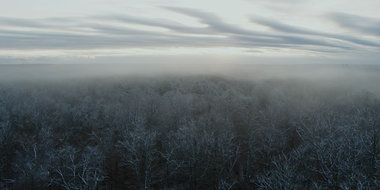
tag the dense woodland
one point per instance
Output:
(189, 132)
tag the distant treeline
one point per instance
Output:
(194, 132)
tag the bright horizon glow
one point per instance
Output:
(49, 32)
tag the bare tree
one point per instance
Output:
(139, 152)
(77, 169)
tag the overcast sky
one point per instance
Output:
(188, 31)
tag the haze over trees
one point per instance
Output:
(242, 127)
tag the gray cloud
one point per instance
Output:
(281, 27)
(4, 21)
(104, 37)
(362, 24)
(162, 23)
(215, 23)
(99, 32)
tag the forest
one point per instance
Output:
(290, 127)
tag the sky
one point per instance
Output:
(190, 31)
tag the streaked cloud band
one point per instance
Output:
(107, 32)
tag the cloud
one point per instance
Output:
(281, 27)
(215, 23)
(4, 21)
(366, 25)
(120, 31)
(161, 23)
